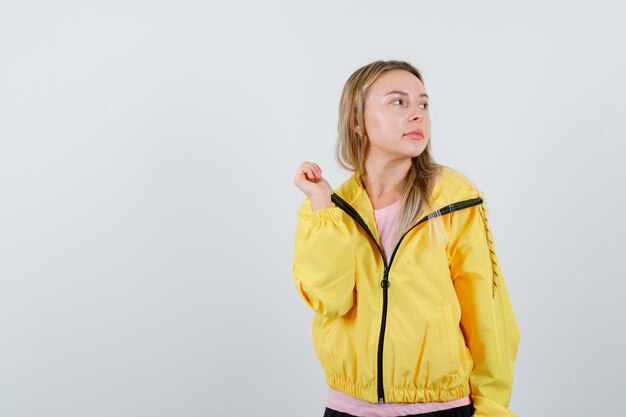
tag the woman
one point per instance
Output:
(413, 315)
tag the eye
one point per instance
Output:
(425, 105)
(397, 99)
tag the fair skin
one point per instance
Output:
(397, 123)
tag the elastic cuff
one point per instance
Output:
(326, 215)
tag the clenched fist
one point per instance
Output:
(309, 180)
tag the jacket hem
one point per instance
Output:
(400, 394)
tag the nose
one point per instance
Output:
(417, 113)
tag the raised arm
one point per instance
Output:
(323, 265)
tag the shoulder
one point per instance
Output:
(457, 185)
(458, 177)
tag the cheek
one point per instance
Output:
(374, 124)
(426, 125)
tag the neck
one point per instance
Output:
(384, 179)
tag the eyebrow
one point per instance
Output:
(403, 93)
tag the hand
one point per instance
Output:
(309, 180)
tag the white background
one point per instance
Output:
(147, 205)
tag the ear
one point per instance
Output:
(357, 130)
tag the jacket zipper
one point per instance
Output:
(351, 211)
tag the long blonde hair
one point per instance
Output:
(351, 148)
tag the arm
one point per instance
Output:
(323, 265)
(487, 319)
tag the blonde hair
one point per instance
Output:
(351, 148)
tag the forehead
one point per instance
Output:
(397, 80)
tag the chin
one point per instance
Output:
(417, 152)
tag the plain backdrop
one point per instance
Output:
(147, 205)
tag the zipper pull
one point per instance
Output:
(385, 282)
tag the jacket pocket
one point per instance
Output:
(452, 337)
(325, 337)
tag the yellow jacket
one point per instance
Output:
(436, 324)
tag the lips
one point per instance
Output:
(416, 134)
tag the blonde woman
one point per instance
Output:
(412, 316)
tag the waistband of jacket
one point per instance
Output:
(400, 394)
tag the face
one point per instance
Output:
(396, 116)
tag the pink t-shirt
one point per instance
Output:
(386, 219)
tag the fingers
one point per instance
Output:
(318, 168)
(311, 170)
(309, 179)
(308, 171)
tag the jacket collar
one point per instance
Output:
(450, 189)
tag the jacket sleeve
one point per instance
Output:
(323, 266)
(487, 320)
